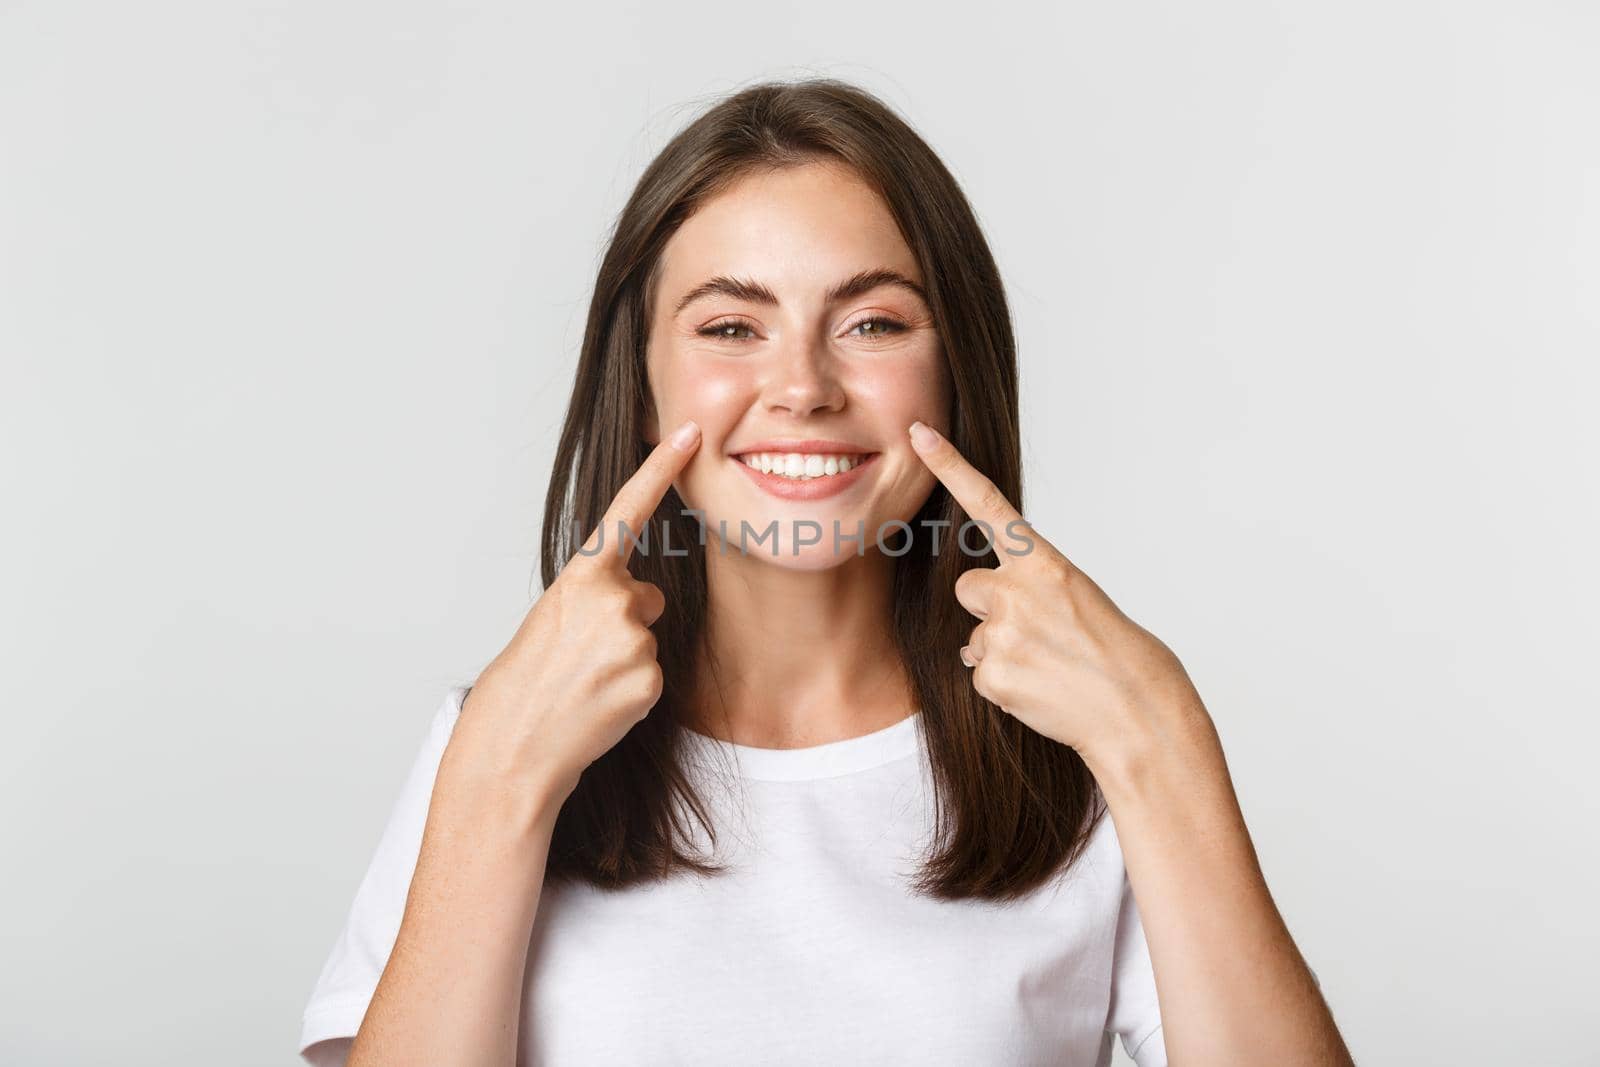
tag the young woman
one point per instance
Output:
(793, 761)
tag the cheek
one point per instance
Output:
(898, 391)
(716, 395)
(703, 393)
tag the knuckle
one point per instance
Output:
(1001, 677)
(1060, 570)
(646, 684)
(990, 498)
(614, 599)
(989, 678)
(580, 581)
(626, 498)
(650, 599)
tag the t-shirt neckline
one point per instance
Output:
(892, 742)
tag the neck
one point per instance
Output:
(794, 658)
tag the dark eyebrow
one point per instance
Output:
(756, 293)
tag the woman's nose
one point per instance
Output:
(804, 380)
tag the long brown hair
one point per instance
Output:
(1012, 807)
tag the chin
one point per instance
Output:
(780, 549)
(820, 557)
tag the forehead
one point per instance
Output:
(797, 229)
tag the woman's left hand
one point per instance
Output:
(1051, 648)
(1054, 651)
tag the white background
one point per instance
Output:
(290, 300)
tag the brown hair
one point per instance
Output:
(1012, 807)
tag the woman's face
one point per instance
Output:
(780, 327)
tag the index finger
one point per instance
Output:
(979, 497)
(641, 494)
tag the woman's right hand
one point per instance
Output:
(581, 670)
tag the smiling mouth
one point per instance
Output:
(805, 466)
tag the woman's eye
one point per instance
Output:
(724, 331)
(882, 327)
(730, 330)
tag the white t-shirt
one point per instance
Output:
(809, 949)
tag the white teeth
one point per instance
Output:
(799, 465)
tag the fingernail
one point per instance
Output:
(923, 437)
(684, 435)
(966, 657)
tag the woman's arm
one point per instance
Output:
(1233, 987)
(580, 672)
(452, 990)
(1053, 651)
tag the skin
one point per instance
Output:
(802, 640)
(578, 674)
(1051, 649)
(1048, 646)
